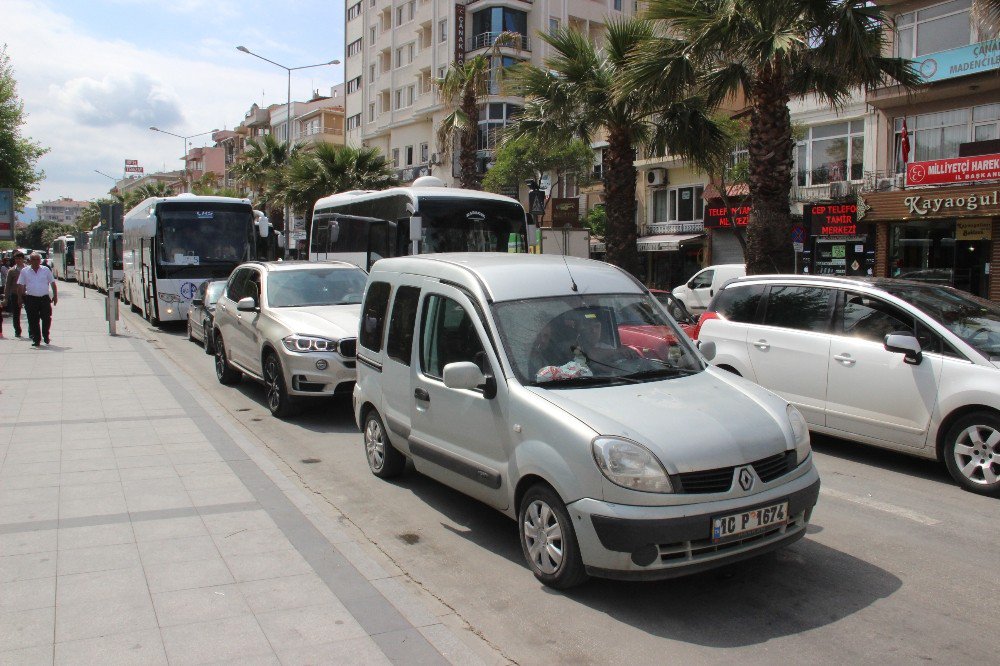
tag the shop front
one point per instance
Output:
(836, 244)
(941, 235)
(670, 259)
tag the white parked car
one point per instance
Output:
(697, 292)
(909, 366)
(505, 377)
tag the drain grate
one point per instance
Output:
(310, 461)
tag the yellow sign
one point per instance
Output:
(974, 229)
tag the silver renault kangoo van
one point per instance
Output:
(505, 377)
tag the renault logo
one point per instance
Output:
(745, 478)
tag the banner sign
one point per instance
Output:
(953, 170)
(565, 212)
(974, 230)
(7, 220)
(961, 61)
(832, 219)
(459, 34)
(133, 169)
(920, 205)
(131, 162)
(718, 217)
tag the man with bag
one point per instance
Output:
(34, 283)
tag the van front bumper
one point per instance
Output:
(654, 542)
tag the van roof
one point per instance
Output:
(507, 277)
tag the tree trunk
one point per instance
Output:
(469, 142)
(619, 188)
(769, 241)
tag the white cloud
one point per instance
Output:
(120, 99)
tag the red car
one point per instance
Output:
(655, 341)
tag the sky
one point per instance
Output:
(94, 75)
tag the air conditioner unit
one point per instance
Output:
(435, 158)
(885, 184)
(656, 177)
(839, 189)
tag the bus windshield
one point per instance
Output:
(204, 234)
(464, 225)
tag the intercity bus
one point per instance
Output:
(81, 257)
(362, 227)
(102, 240)
(63, 258)
(173, 244)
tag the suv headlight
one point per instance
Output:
(630, 465)
(308, 343)
(800, 431)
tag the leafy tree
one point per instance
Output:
(521, 157)
(39, 234)
(18, 155)
(770, 51)
(90, 216)
(574, 92)
(597, 220)
(156, 188)
(260, 170)
(51, 233)
(468, 84)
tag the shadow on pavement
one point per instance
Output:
(893, 461)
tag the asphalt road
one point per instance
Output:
(899, 565)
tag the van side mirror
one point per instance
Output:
(904, 342)
(262, 226)
(707, 349)
(334, 231)
(247, 304)
(463, 375)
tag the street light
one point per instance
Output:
(189, 136)
(288, 117)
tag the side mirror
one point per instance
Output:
(262, 226)
(416, 228)
(690, 284)
(247, 304)
(197, 302)
(334, 231)
(707, 349)
(905, 343)
(463, 375)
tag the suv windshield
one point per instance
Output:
(315, 286)
(575, 340)
(975, 321)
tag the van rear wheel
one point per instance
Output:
(548, 539)
(384, 460)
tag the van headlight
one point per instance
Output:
(630, 465)
(308, 343)
(800, 431)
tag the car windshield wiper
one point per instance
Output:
(662, 372)
(576, 382)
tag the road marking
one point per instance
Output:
(881, 506)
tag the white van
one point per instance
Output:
(504, 376)
(697, 292)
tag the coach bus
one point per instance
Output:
(63, 258)
(81, 257)
(362, 227)
(102, 241)
(173, 244)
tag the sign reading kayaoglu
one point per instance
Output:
(919, 205)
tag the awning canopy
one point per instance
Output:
(665, 242)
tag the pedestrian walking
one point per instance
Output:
(34, 283)
(10, 292)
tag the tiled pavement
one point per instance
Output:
(137, 525)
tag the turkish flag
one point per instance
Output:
(905, 144)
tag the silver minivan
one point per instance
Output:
(505, 376)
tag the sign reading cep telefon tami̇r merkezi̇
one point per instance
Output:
(832, 219)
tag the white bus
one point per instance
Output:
(81, 257)
(63, 258)
(363, 226)
(101, 242)
(173, 244)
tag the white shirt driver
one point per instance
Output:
(36, 283)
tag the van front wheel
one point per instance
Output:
(548, 539)
(384, 460)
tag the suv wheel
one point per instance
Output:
(548, 539)
(972, 452)
(279, 402)
(384, 460)
(224, 372)
(209, 345)
(190, 331)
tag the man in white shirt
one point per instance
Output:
(33, 286)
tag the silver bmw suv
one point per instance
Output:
(292, 326)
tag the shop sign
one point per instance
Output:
(974, 229)
(919, 205)
(961, 61)
(7, 220)
(566, 212)
(833, 219)
(460, 16)
(721, 217)
(953, 170)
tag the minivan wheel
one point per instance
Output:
(225, 373)
(279, 402)
(548, 539)
(972, 453)
(384, 460)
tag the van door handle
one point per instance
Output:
(845, 359)
(762, 345)
(422, 394)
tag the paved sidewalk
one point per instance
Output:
(138, 525)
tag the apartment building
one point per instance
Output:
(397, 49)
(935, 208)
(63, 210)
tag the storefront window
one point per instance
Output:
(831, 153)
(934, 29)
(926, 250)
(679, 204)
(936, 136)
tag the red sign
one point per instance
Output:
(720, 217)
(954, 170)
(459, 34)
(133, 169)
(833, 219)
(131, 162)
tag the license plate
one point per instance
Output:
(748, 523)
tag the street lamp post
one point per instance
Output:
(189, 136)
(288, 121)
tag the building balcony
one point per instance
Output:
(695, 226)
(826, 191)
(320, 135)
(485, 40)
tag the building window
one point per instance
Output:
(398, 101)
(404, 55)
(409, 156)
(354, 11)
(411, 95)
(493, 118)
(371, 112)
(831, 153)
(354, 85)
(372, 73)
(441, 71)
(553, 25)
(372, 34)
(354, 122)
(443, 30)
(354, 48)
(424, 153)
(617, 5)
(488, 23)
(937, 136)
(395, 158)
(934, 29)
(679, 204)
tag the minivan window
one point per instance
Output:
(798, 307)
(373, 315)
(870, 318)
(399, 345)
(739, 302)
(702, 280)
(448, 336)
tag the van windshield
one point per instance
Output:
(570, 341)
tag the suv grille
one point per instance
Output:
(348, 347)
(719, 480)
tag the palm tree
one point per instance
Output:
(156, 188)
(770, 51)
(327, 169)
(468, 84)
(574, 94)
(259, 169)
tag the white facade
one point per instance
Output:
(63, 211)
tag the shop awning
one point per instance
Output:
(665, 242)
